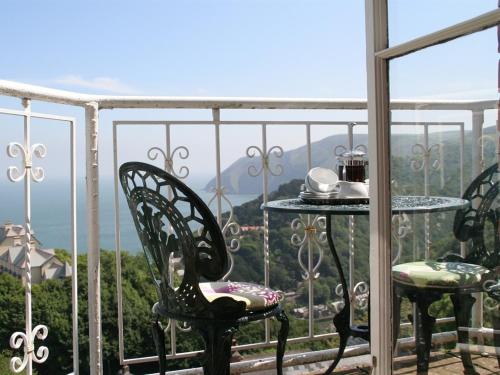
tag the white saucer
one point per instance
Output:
(352, 197)
(314, 195)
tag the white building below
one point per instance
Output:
(44, 263)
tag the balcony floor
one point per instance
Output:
(442, 363)
(449, 363)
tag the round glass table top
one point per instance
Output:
(400, 204)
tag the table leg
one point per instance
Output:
(341, 320)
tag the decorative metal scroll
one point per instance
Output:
(340, 149)
(483, 141)
(491, 301)
(265, 155)
(168, 160)
(422, 156)
(19, 339)
(230, 230)
(312, 237)
(401, 227)
(359, 296)
(15, 149)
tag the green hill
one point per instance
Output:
(236, 179)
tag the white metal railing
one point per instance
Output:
(28, 172)
(93, 104)
(309, 230)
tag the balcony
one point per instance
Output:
(75, 289)
(430, 157)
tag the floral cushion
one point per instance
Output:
(255, 296)
(430, 274)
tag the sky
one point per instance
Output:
(256, 48)
(209, 48)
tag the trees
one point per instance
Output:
(52, 307)
(52, 298)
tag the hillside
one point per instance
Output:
(236, 179)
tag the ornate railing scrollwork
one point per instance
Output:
(14, 149)
(340, 149)
(275, 151)
(359, 296)
(482, 142)
(168, 160)
(422, 157)
(401, 227)
(313, 237)
(230, 230)
(490, 303)
(19, 339)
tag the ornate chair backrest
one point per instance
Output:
(170, 218)
(470, 223)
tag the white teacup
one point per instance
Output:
(321, 180)
(353, 189)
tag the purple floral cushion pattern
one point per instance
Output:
(255, 296)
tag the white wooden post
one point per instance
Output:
(380, 188)
(93, 250)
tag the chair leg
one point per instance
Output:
(217, 355)
(462, 306)
(425, 325)
(159, 340)
(341, 322)
(396, 316)
(282, 337)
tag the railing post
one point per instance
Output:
(218, 179)
(74, 254)
(29, 244)
(477, 167)
(477, 145)
(93, 250)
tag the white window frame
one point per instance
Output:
(378, 54)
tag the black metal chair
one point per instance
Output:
(171, 219)
(426, 282)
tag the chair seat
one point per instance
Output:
(255, 296)
(431, 274)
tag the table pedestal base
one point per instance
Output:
(342, 319)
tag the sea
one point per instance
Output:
(51, 212)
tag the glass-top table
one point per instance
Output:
(400, 205)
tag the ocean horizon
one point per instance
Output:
(51, 215)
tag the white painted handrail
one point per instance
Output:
(22, 90)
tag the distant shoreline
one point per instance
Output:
(51, 219)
